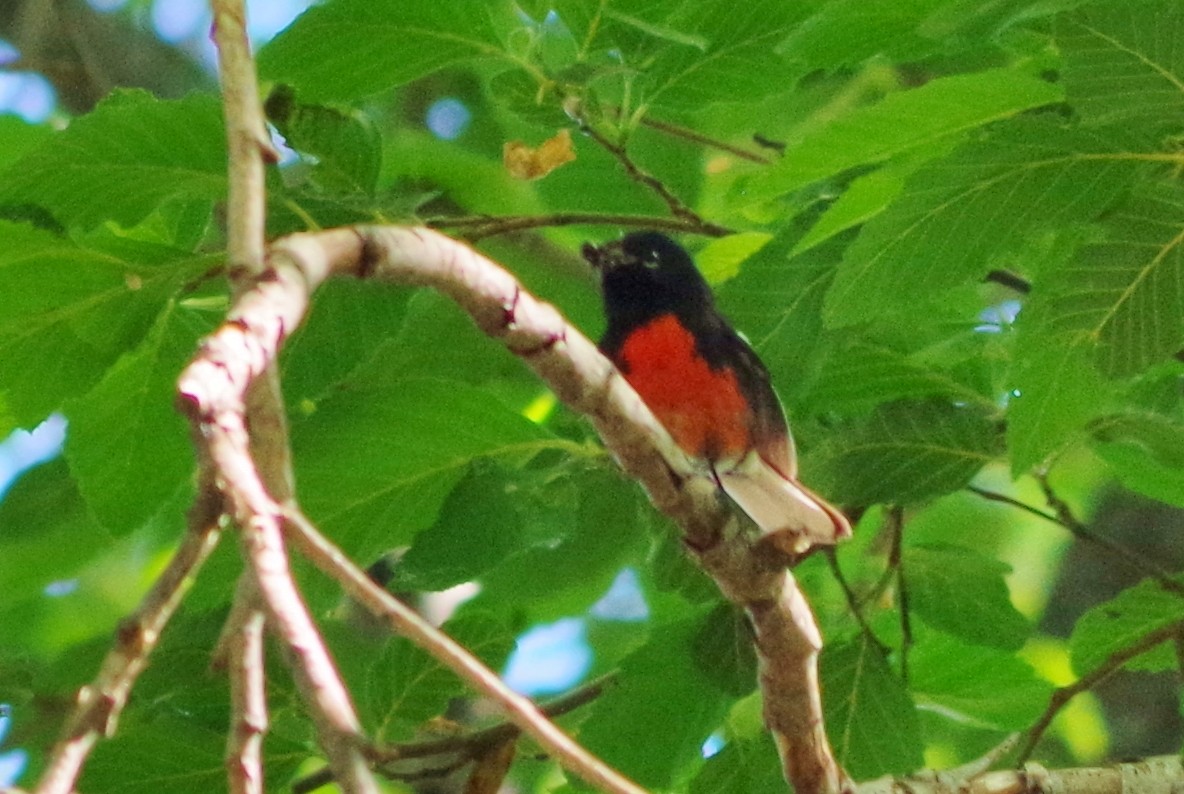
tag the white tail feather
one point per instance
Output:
(787, 512)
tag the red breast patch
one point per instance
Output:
(702, 408)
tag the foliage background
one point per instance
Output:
(964, 269)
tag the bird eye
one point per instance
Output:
(651, 260)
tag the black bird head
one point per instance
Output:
(645, 274)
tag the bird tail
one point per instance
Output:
(789, 514)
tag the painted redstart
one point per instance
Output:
(707, 386)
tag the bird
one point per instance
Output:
(707, 387)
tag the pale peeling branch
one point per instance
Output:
(1158, 775)
(751, 575)
(101, 702)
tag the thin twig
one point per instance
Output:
(1107, 668)
(896, 563)
(676, 205)
(248, 700)
(1065, 518)
(469, 745)
(853, 601)
(406, 622)
(476, 228)
(101, 702)
(678, 131)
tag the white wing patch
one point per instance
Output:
(785, 510)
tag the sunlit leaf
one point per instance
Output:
(903, 121)
(904, 452)
(964, 593)
(958, 214)
(325, 56)
(1121, 622)
(1124, 63)
(870, 719)
(131, 153)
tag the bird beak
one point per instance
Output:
(604, 257)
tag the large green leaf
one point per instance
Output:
(18, 137)
(982, 686)
(1146, 453)
(904, 452)
(742, 767)
(726, 53)
(405, 686)
(374, 463)
(964, 593)
(355, 48)
(1056, 390)
(1127, 291)
(1124, 64)
(776, 300)
(47, 534)
(863, 375)
(631, 725)
(901, 122)
(848, 32)
(870, 718)
(958, 215)
(128, 447)
(121, 161)
(1122, 622)
(70, 312)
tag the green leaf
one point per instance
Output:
(375, 462)
(964, 593)
(720, 259)
(904, 452)
(1146, 453)
(407, 687)
(631, 725)
(128, 447)
(776, 300)
(1122, 622)
(46, 533)
(166, 753)
(724, 651)
(1057, 390)
(958, 215)
(1127, 291)
(903, 121)
(742, 767)
(848, 32)
(122, 160)
(18, 136)
(870, 719)
(323, 55)
(863, 375)
(69, 313)
(577, 561)
(479, 525)
(865, 197)
(319, 355)
(725, 52)
(345, 143)
(1124, 64)
(974, 685)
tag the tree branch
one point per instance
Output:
(677, 208)
(407, 622)
(1107, 668)
(248, 705)
(1150, 776)
(101, 702)
(751, 574)
(476, 228)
